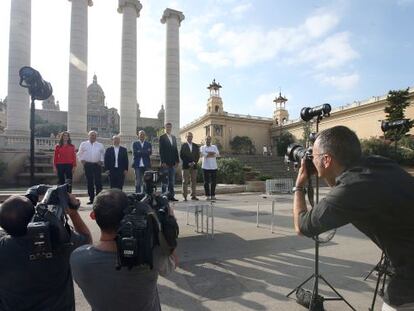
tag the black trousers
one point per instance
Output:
(210, 182)
(116, 178)
(64, 172)
(93, 177)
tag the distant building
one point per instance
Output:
(156, 123)
(223, 126)
(100, 118)
(361, 116)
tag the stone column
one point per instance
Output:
(18, 101)
(173, 20)
(78, 68)
(128, 108)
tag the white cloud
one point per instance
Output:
(306, 43)
(319, 25)
(335, 51)
(265, 101)
(241, 9)
(344, 82)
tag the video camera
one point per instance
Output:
(151, 178)
(146, 216)
(49, 229)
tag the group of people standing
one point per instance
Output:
(94, 157)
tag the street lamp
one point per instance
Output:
(39, 89)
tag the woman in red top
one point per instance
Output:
(64, 161)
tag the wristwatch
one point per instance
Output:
(300, 189)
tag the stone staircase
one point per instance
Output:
(43, 170)
(273, 166)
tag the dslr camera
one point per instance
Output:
(48, 230)
(295, 153)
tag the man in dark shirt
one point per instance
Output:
(42, 284)
(374, 194)
(94, 270)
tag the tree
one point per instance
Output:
(397, 101)
(45, 129)
(283, 141)
(307, 130)
(242, 145)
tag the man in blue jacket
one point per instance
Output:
(142, 151)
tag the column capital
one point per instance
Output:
(90, 2)
(170, 13)
(129, 3)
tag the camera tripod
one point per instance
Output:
(382, 268)
(316, 300)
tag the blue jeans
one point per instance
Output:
(139, 176)
(170, 171)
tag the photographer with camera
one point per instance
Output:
(31, 279)
(373, 193)
(124, 235)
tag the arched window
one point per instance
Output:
(216, 108)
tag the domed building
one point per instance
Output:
(100, 118)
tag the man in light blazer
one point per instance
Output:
(116, 162)
(142, 151)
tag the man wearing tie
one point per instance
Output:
(169, 159)
(91, 155)
(189, 154)
(116, 162)
(142, 151)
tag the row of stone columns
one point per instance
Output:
(19, 56)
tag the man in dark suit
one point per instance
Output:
(169, 159)
(189, 154)
(142, 151)
(116, 162)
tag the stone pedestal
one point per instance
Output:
(128, 109)
(18, 101)
(78, 68)
(172, 19)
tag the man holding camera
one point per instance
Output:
(93, 266)
(372, 193)
(35, 284)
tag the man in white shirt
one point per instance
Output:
(91, 155)
(209, 154)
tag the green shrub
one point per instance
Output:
(403, 155)
(265, 177)
(230, 171)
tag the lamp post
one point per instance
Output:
(39, 89)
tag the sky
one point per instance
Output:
(312, 51)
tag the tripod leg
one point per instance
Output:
(300, 285)
(381, 292)
(337, 293)
(377, 266)
(314, 292)
(375, 292)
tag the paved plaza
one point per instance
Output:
(248, 268)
